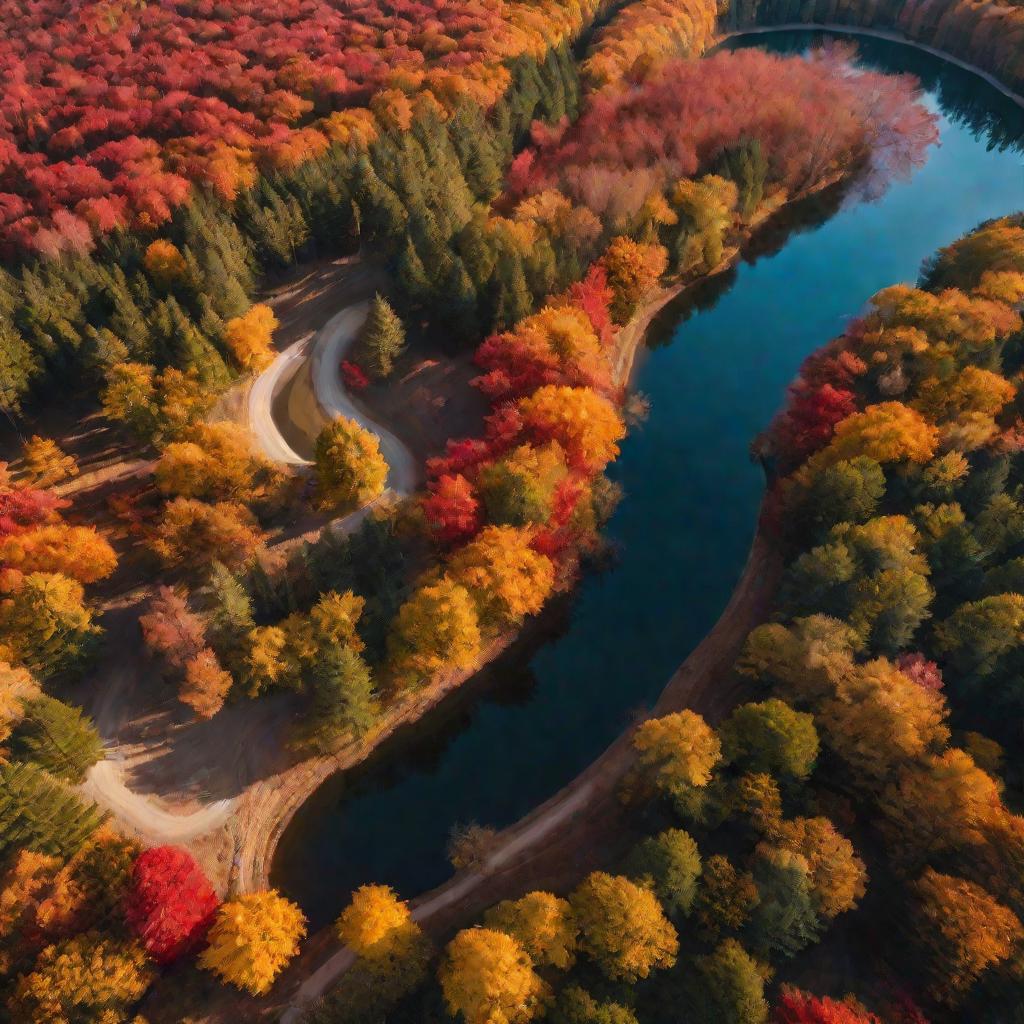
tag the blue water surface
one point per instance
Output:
(714, 379)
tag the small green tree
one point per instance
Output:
(786, 919)
(57, 737)
(576, 1005)
(771, 737)
(344, 701)
(727, 987)
(381, 340)
(670, 863)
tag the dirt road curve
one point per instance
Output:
(105, 785)
(261, 404)
(105, 782)
(325, 353)
(332, 344)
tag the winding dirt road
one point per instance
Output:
(105, 782)
(324, 354)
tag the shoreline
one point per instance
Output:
(281, 796)
(584, 803)
(527, 853)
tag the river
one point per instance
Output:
(714, 373)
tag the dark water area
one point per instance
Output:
(715, 371)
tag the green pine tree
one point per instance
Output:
(381, 340)
(39, 813)
(57, 737)
(412, 275)
(229, 617)
(513, 299)
(17, 367)
(344, 703)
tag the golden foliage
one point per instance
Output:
(350, 470)
(79, 552)
(622, 927)
(370, 923)
(88, 978)
(46, 463)
(435, 630)
(507, 579)
(679, 749)
(250, 337)
(583, 422)
(487, 977)
(542, 924)
(164, 263)
(965, 930)
(837, 874)
(252, 939)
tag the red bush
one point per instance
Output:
(353, 377)
(170, 903)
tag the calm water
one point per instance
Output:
(714, 378)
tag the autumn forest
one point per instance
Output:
(327, 329)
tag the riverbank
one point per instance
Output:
(266, 809)
(582, 825)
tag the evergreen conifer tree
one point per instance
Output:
(57, 737)
(381, 340)
(39, 813)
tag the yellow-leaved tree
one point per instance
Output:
(678, 753)
(393, 951)
(350, 470)
(887, 432)
(164, 263)
(17, 687)
(487, 977)
(369, 923)
(633, 270)
(542, 924)
(581, 420)
(76, 551)
(91, 977)
(252, 939)
(46, 462)
(622, 927)
(505, 576)
(249, 337)
(436, 629)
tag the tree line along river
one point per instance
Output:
(715, 370)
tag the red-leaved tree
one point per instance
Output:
(169, 904)
(796, 1007)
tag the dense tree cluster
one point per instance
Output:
(896, 633)
(796, 123)
(161, 97)
(646, 34)
(899, 487)
(86, 918)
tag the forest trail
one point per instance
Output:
(106, 786)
